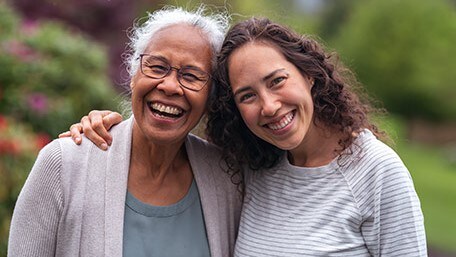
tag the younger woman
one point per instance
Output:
(321, 184)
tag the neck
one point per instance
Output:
(160, 174)
(319, 147)
(154, 159)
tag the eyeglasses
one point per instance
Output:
(188, 77)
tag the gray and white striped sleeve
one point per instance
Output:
(387, 199)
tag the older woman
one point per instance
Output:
(156, 190)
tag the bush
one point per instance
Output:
(51, 75)
(403, 51)
(18, 149)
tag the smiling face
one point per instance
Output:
(271, 94)
(164, 111)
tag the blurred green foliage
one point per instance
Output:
(403, 52)
(50, 77)
(293, 13)
(18, 149)
(434, 176)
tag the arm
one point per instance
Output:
(396, 226)
(38, 209)
(95, 127)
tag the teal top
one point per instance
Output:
(174, 230)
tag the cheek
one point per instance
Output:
(134, 80)
(198, 101)
(248, 115)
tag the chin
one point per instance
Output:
(285, 147)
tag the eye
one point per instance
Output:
(245, 97)
(278, 80)
(190, 77)
(155, 67)
(158, 69)
(193, 74)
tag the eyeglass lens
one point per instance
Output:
(189, 77)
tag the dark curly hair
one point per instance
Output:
(336, 104)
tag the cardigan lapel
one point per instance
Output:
(208, 195)
(117, 168)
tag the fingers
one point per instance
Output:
(65, 134)
(95, 127)
(95, 131)
(75, 133)
(111, 119)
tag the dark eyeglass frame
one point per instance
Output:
(169, 69)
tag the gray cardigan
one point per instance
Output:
(73, 201)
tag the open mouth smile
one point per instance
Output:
(282, 123)
(166, 110)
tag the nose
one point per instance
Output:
(269, 105)
(170, 84)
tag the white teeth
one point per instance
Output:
(282, 123)
(166, 109)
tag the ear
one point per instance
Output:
(311, 81)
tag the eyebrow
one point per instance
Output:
(164, 59)
(158, 57)
(265, 78)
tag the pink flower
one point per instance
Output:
(38, 103)
(29, 27)
(20, 50)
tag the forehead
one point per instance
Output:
(181, 43)
(252, 61)
(251, 52)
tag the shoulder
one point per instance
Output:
(206, 160)
(56, 155)
(62, 161)
(120, 129)
(374, 166)
(375, 171)
(198, 147)
(120, 133)
(370, 154)
(49, 159)
(44, 180)
(51, 151)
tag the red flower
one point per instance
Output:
(11, 147)
(3, 123)
(42, 140)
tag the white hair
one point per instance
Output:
(213, 26)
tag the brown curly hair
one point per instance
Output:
(336, 104)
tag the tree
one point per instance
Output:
(403, 51)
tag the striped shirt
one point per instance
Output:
(363, 204)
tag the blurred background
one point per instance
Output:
(61, 59)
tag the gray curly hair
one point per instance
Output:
(214, 26)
